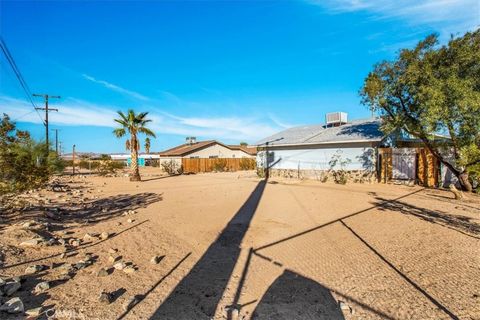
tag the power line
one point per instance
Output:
(19, 76)
(47, 110)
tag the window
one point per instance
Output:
(213, 157)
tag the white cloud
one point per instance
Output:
(82, 113)
(116, 88)
(446, 16)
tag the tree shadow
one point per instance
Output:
(293, 296)
(199, 292)
(92, 211)
(459, 223)
(368, 130)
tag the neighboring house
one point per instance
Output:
(204, 149)
(143, 158)
(208, 149)
(307, 151)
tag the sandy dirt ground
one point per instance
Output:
(231, 246)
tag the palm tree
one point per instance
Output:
(133, 124)
(147, 145)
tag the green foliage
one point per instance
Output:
(220, 165)
(243, 144)
(105, 167)
(432, 90)
(338, 166)
(247, 164)
(23, 161)
(172, 167)
(133, 123)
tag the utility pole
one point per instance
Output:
(73, 160)
(56, 141)
(46, 109)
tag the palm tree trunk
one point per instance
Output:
(135, 174)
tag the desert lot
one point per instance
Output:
(230, 245)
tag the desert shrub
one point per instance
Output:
(67, 163)
(337, 167)
(155, 163)
(247, 164)
(83, 164)
(261, 172)
(220, 165)
(105, 167)
(24, 163)
(171, 167)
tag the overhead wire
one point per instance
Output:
(19, 76)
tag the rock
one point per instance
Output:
(14, 305)
(74, 242)
(345, 307)
(131, 303)
(104, 235)
(2, 282)
(129, 270)
(156, 260)
(112, 250)
(35, 312)
(11, 287)
(88, 237)
(120, 265)
(33, 269)
(112, 259)
(61, 241)
(80, 265)
(63, 255)
(131, 220)
(32, 242)
(105, 297)
(28, 224)
(51, 215)
(42, 286)
(102, 272)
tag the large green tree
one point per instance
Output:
(133, 124)
(433, 91)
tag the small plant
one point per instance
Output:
(105, 167)
(171, 167)
(337, 167)
(247, 164)
(220, 165)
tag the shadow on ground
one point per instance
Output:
(293, 296)
(199, 292)
(59, 215)
(459, 223)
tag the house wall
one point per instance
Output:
(218, 151)
(362, 156)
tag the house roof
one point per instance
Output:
(250, 150)
(355, 131)
(184, 149)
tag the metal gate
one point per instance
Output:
(404, 164)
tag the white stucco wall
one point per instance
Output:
(362, 157)
(218, 151)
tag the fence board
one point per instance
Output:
(196, 165)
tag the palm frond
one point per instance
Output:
(147, 132)
(119, 132)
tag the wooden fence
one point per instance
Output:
(196, 165)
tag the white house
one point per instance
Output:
(313, 147)
(204, 149)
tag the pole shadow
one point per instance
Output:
(199, 292)
(292, 296)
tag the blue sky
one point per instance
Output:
(232, 71)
